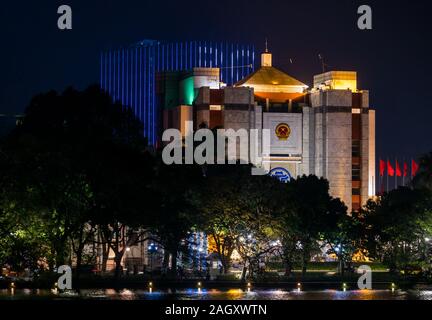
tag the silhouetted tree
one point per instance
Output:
(396, 226)
(78, 160)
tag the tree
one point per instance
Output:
(396, 226)
(79, 159)
(311, 203)
(261, 197)
(423, 178)
(238, 214)
(177, 211)
(41, 185)
(223, 213)
(22, 241)
(340, 231)
(308, 217)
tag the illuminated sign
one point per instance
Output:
(281, 174)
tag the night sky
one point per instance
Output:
(393, 60)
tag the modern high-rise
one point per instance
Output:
(129, 74)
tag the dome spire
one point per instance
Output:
(266, 57)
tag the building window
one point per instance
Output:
(356, 172)
(356, 148)
(356, 191)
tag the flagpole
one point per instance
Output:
(403, 171)
(395, 175)
(380, 182)
(410, 172)
(387, 176)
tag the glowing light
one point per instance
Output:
(344, 286)
(234, 294)
(152, 247)
(12, 285)
(150, 284)
(248, 287)
(127, 249)
(344, 85)
(127, 292)
(188, 91)
(275, 243)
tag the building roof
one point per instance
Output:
(269, 75)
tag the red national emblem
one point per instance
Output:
(283, 131)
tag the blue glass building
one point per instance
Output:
(129, 74)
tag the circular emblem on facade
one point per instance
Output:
(281, 174)
(282, 131)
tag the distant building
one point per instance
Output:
(129, 74)
(327, 130)
(341, 131)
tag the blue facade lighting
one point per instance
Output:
(129, 74)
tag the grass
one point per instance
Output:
(318, 273)
(326, 266)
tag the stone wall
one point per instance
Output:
(364, 169)
(338, 150)
(307, 166)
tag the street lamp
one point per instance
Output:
(152, 249)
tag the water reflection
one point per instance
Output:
(217, 294)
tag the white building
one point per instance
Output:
(327, 130)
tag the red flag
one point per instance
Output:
(398, 170)
(390, 169)
(405, 170)
(381, 167)
(414, 168)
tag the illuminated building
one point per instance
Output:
(272, 85)
(177, 92)
(341, 147)
(327, 130)
(129, 74)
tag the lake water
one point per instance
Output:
(217, 294)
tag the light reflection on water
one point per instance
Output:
(217, 294)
